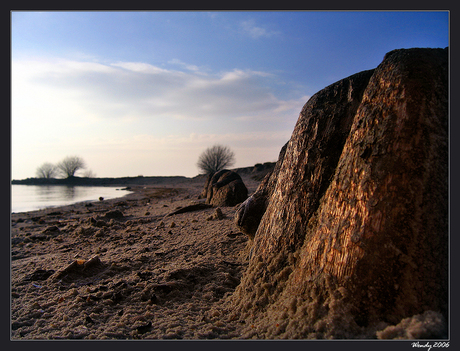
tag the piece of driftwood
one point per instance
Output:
(190, 208)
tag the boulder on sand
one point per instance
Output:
(224, 188)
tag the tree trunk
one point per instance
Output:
(355, 234)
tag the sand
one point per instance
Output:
(124, 269)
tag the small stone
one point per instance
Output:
(153, 299)
(40, 274)
(219, 214)
(52, 230)
(114, 214)
(93, 261)
(144, 328)
(36, 306)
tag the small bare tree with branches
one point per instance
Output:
(89, 174)
(215, 158)
(46, 170)
(70, 165)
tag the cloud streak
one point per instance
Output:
(250, 28)
(148, 91)
(127, 109)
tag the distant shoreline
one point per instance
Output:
(75, 181)
(259, 169)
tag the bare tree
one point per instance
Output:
(46, 170)
(215, 158)
(70, 165)
(89, 174)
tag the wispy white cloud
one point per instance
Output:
(140, 67)
(134, 88)
(250, 28)
(185, 65)
(118, 115)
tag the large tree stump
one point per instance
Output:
(355, 233)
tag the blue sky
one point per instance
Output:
(146, 92)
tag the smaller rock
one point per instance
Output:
(232, 235)
(15, 241)
(153, 299)
(97, 222)
(78, 266)
(100, 223)
(114, 214)
(160, 225)
(85, 231)
(36, 306)
(39, 274)
(142, 329)
(52, 230)
(224, 188)
(38, 237)
(93, 261)
(219, 214)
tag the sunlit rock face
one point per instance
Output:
(353, 230)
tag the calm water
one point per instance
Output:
(32, 197)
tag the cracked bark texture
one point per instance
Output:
(354, 236)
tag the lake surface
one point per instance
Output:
(35, 197)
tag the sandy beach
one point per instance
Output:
(126, 268)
